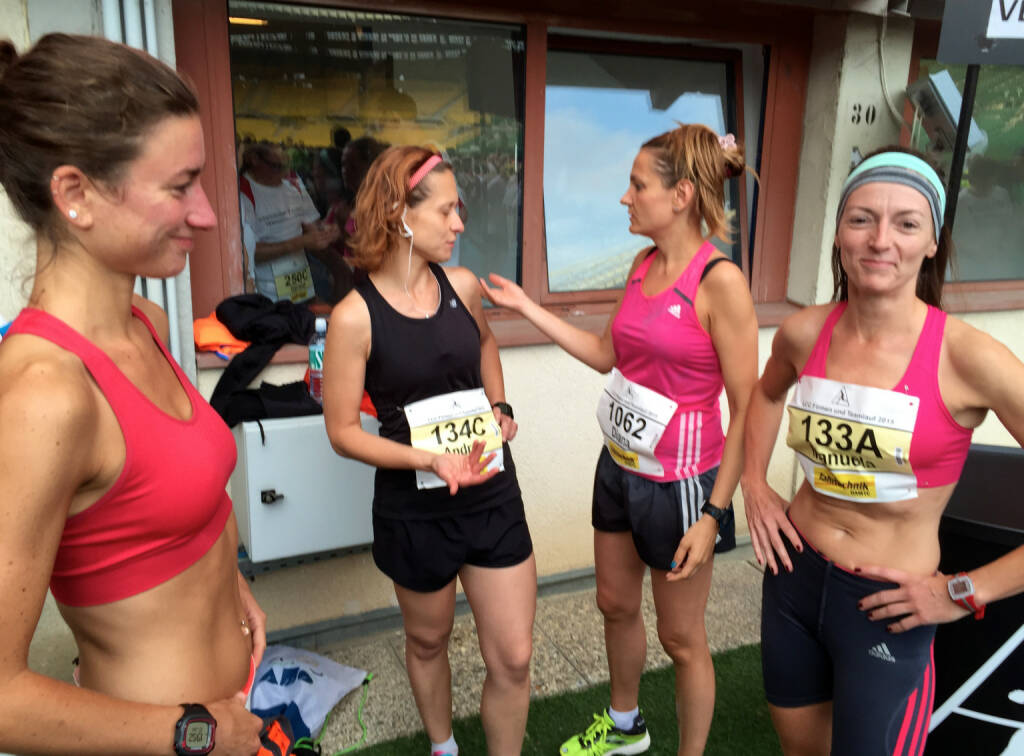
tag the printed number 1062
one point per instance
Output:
(631, 423)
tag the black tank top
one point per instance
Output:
(417, 358)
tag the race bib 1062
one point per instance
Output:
(450, 424)
(633, 419)
(853, 442)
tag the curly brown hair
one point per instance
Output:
(382, 199)
(692, 152)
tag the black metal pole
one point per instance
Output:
(963, 130)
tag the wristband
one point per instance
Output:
(961, 590)
(506, 409)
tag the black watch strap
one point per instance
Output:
(721, 516)
(506, 409)
(194, 713)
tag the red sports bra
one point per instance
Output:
(166, 508)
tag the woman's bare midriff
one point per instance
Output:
(181, 641)
(903, 535)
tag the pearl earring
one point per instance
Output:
(72, 214)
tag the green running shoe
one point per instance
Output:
(603, 738)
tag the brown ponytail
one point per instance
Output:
(694, 153)
(8, 56)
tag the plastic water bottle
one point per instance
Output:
(316, 360)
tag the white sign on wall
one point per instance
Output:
(1006, 19)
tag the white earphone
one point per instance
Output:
(406, 231)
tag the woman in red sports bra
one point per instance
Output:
(112, 466)
(888, 390)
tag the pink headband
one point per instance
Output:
(424, 169)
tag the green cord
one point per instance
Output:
(314, 744)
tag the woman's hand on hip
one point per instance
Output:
(696, 548)
(238, 730)
(460, 470)
(767, 522)
(915, 600)
(255, 620)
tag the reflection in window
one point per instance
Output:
(332, 87)
(599, 109)
(988, 228)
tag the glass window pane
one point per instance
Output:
(988, 228)
(599, 109)
(311, 80)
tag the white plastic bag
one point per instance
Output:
(303, 685)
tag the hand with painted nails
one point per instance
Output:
(696, 548)
(913, 599)
(767, 522)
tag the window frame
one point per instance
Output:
(679, 51)
(967, 296)
(202, 51)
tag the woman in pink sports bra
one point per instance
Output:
(113, 467)
(683, 328)
(887, 392)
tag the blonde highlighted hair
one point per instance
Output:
(693, 153)
(382, 199)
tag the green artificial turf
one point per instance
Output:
(741, 724)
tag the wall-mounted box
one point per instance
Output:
(293, 494)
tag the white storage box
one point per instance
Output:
(293, 494)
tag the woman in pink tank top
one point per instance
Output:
(112, 465)
(887, 392)
(684, 327)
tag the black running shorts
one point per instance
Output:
(657, 514)
(426, 555)
(817, 646)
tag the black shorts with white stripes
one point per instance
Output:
(657, 514)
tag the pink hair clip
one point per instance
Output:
(727, 141)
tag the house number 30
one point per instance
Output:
(863, 113)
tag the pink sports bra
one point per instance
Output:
(856, 442)
(168, 505)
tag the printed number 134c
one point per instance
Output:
(450, 432)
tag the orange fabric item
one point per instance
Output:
(211, 335)
(367, 405)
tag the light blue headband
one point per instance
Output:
(899, 168)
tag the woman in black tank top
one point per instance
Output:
(446, 501)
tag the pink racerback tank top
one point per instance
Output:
(660, 343)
